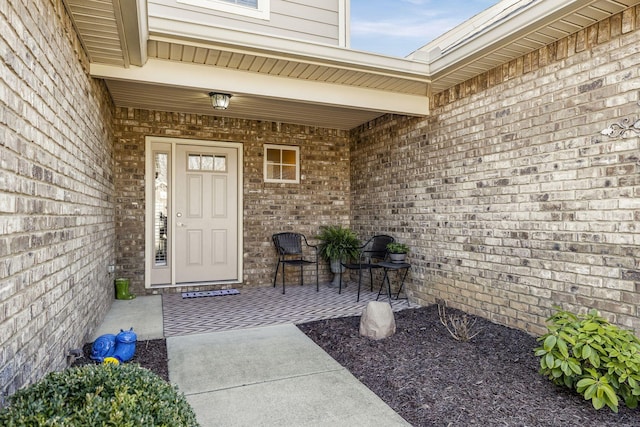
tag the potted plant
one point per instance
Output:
(397, 252)
(337, 245)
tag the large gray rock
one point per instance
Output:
(377, 320)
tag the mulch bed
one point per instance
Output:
(151, 354)
(431, 379)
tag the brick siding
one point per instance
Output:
(510, 198)
(56, 193)
(322, 197)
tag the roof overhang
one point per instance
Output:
(506, 31)
(168, 63)
(162, 62)
(183, 86)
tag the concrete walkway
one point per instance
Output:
(265, 376)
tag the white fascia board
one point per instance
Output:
(192, 33)
(482, 20)
(445, 54)
(207, 78)
(135, 28)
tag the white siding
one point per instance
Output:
(316, 21)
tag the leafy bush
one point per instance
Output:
(397, 248)
(99, 395)
(597, 359)
(338, 243)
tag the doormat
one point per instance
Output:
(201, 294)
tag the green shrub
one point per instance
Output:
(397, 248)
(99, 395)
(597, 359)
(338, 243)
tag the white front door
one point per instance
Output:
(199, 235)
(205, 214)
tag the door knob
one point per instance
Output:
(179, 214)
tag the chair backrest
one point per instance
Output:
(378, 246)
(288, 243)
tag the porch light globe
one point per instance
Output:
(219, 101)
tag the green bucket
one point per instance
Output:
(122, 289)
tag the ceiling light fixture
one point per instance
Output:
(219, 101)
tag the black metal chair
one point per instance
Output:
(290, 252)
(371, 253)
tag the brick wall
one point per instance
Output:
(56, 193)
(322, 197)
(511, 199)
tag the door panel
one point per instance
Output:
(219, 197)
(194, 196)
(206, 218)
(219, 244)
(194, 247)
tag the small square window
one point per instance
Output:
(281, 164)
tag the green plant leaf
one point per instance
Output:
(575, 366)
(631, 402)
(610, 394)
(550, 342)
(597, 402)
(540, 351)
(549, 360)
(568, 338)
(591, 392)
(585, 382)
(632, 382)
(586, 352)
(594, 359)
(590, 326)
(562, 347)
(598, 348)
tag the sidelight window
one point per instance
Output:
(160, 208)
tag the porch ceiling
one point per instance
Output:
(243, 106)
(271, 79)
(172, 65)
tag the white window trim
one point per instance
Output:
(261, 12)
(282, 147)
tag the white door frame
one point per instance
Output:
(149, 208)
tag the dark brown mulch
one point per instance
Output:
(150, 354)
(431, 379)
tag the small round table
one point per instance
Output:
(393, 266)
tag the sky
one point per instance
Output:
(398, 27)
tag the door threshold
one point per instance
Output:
(196, 284)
